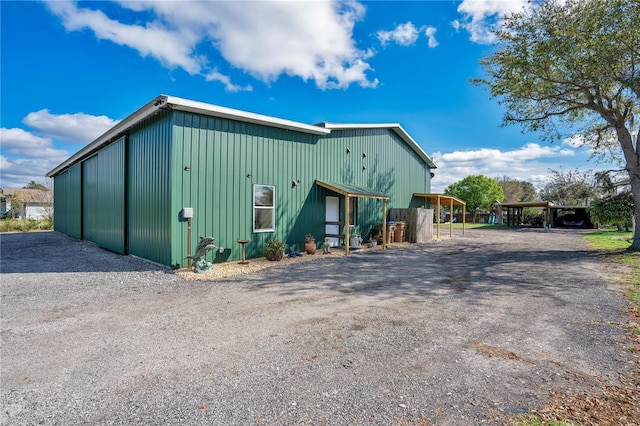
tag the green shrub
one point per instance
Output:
(25, 225)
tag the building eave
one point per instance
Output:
(244, 116)
(180, 104)
(112, 134)
(396, 127)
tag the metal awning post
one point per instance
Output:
(346, 225)
(438, 220)
(464, 217)
(384, 224)
(451, 218)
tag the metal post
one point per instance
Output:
(346, 226)
(384, 224)
(189, 243)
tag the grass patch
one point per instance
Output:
(609, 239)
(470, 226)
(24, 225)
(613, 245)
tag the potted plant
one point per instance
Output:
(274, 250)
(310, 244)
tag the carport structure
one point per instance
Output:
(351, 191)
(515, 210)
(442, 199)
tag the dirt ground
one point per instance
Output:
(462, 331)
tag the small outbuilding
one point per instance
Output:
(31, 203)
(552, 215)
(176, 164)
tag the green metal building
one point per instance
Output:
(241, 175)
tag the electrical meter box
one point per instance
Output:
(187, 212)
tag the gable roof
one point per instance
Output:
(29, 195)
(163, 102)
(396, 127)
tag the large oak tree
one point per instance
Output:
(574, 64)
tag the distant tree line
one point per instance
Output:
(606, 193)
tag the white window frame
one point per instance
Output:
(256, 207)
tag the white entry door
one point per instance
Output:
(332, 215)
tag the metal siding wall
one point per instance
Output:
(220, 154)
(391, 165)
(111, 190)
(149, 197)
(103, 192)
(67, 207)
(90, 200)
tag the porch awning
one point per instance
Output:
(352, 190)
(441, 199)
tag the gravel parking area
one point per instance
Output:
(455, 332)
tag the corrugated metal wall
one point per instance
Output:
(133, 190)
(103, 197)
(90, 200)
(67, 216)
(111, 178)
(225, 158)
(149, 198)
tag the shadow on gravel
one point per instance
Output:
(473, 272)
(42, 252)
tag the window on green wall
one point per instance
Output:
(264, 208)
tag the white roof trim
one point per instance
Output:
(164, 101)
(180, 104)
(396, 127)
(248, 117)
(111, 134)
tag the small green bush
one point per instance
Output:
(25, 225)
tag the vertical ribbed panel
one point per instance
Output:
(133, 191)
(221, 153)
(149, 200)
(111, 188)
(90, 200)
(103, 197)
(66, 202)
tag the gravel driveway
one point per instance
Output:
(460, 331)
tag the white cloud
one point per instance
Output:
(524, 163)
(481, 17)
(430, 33)
(407, 34)
(74, 128)
(575, 141)
(171, 47)
(21, 139)
(310, 40)
(403, 34)
(26, 157)
(226, 80)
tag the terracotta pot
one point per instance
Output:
(310, 246)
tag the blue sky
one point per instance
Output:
(71, 70)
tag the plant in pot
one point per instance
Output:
(310, 244)
(274, 250)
